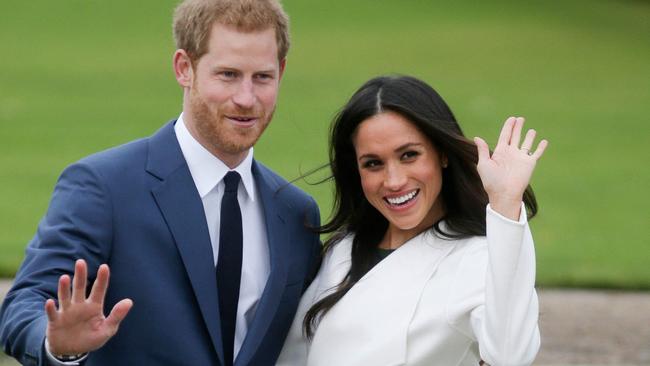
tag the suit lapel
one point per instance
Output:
(181, 206)
(274, 214)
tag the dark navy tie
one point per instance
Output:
(229, 264)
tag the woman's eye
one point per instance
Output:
(371, 164)
(410, 155)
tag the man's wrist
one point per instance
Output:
(64, 360)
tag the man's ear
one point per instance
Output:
(283, 63)
(183, 68)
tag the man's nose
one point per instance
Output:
(244, 96)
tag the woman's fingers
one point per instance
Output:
(516, 131)
(527, 145)
(482, 148)
(506, 131)
(540, 149)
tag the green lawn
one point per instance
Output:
(6, 361)
(81, 75)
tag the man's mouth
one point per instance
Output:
(242, 119)
(403, 199)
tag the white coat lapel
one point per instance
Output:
(376, 313)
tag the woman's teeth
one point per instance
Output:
(402, 199)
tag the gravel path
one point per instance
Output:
(594, 327)
(582, 327)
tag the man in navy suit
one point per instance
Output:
(152, 212)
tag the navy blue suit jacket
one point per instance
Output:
(136, 208)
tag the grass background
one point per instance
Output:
(79, 76)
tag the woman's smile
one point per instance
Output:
(402, 201)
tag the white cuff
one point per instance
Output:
(56, 362)
(522, 215)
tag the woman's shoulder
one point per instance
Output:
(444, 236)
(477, 243)
(338, 253)
(335, 266)
(467, 253)
(341, 248)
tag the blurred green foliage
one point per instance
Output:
(79, 76)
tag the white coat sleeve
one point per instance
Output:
(506, 325)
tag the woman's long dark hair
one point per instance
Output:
(462, 193)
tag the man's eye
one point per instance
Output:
(228, 74)
(264, 77)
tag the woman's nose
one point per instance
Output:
(395, 178)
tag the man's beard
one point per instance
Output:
(218, 133)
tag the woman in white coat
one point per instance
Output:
(431, 261)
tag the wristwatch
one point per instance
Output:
(69, 358)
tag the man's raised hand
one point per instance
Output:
(79, 325)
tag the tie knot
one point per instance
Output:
(232, 181)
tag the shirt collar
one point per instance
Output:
(206, 169)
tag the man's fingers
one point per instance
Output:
(98, 291)
(506, 131)
(119, 312)
(516, 131)
(483, 149)
(79, 281)
(50, 310)
(64, 291)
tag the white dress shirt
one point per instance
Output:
(208, 172)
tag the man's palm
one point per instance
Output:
(79, 324)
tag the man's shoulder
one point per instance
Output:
(121, 158)
(117, 157)
(286, 191)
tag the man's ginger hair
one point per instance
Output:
(194, 19)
